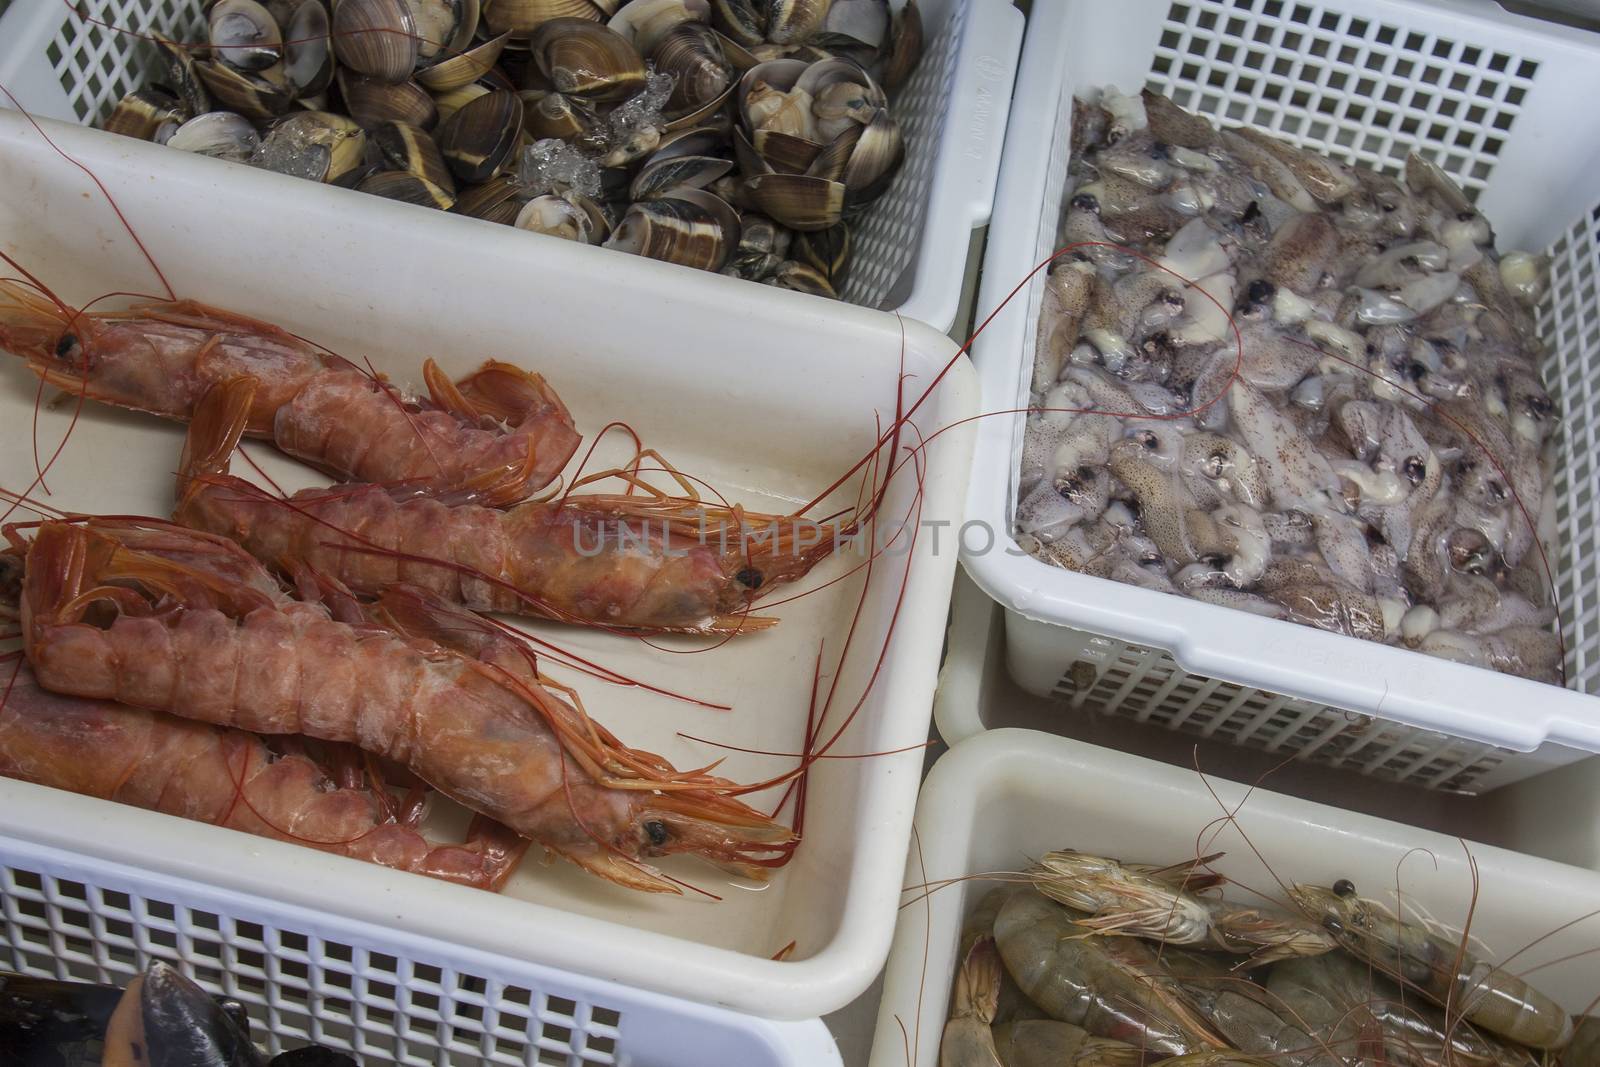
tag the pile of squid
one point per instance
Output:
(161, 1019)
(741, 136)
(312, 667)
(1092, 962)
(1268, 380)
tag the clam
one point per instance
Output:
(408, 188)
(644, 22)
(802, 278)
(665, 177)
(877, 156)
(308, 50)
(150, 114)
(465, 68)
(711, 113)
(730, 187)
(795, 21)
(570, 216)
(744, 21)
(828, 251)
(409, 148)
(905, 45)
(369, 101)
(480, 137)
(799, 201)
(636, 145)
(496, 200)
(180, 76)
(830, 162)
(521, 17)
(692, 53)
(693, 228)
(243, 35)
(784, 152)
(553, 114)
(855, 27)
(842, 95)
(453, 100)
(317, 145)
(765, 99)
(251, 95)
(763, 246)
(377, 38)
(437, 23)
(587, 59)
(219, 134)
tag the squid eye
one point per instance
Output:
(1344, 887)
(1086, 202)
(1085, 473)
(657, 831)
(1415, 469)
(1148, 440)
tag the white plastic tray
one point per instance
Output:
(1500, 100)
(910, 254)
(383, 993)
(723, 377)
(996, 801)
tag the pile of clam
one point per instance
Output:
(740, 136)
(1310, 391)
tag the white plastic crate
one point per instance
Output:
(718, 374)
(1495, 99)
(384, 995)
(66, 61)
(997, 801)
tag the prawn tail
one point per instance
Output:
(486, 859)
(218, 422)
(977, 991)
(523, 402)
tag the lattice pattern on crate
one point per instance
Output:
(1569, 322)
(102, 52)
(889, 236)
(298, 987)
(1360, 89)
(1147, 685)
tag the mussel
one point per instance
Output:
(587, 59)
(481, 136)
(693, 228)
(377, 38)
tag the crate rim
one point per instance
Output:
(1208, 639)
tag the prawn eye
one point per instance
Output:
(657, 831)
(750, 578)
(1344, 887)
(65, 345)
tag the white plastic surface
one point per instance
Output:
(386, 995)
(70, 62)
(1501, 102)
(996, 801)
(725, 378)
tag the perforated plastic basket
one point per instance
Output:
(381, 993)
(999, 800)
(1500, 102)
(70, 62)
